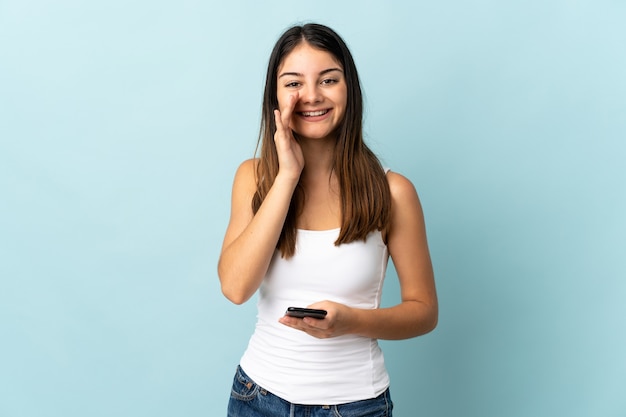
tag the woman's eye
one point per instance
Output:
(292, 84)
(329, 81)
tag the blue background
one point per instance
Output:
(121, 126)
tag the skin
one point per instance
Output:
(312, 80)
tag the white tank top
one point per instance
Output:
(300, 368)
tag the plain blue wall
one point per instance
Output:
(121, 126)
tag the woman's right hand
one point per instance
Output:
(290, 157)
(250, 239)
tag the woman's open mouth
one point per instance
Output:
(314, 115)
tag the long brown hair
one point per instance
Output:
(364, 191)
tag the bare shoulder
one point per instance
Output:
(247, 168)
(244, 187)
(406, 209)
(245, 177)
(402, 189)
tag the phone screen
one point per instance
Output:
(306, 312)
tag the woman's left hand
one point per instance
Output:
(336, 323)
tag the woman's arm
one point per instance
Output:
(417, 312)
(250, 239)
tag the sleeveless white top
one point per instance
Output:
(296, 366)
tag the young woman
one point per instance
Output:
(313, 222)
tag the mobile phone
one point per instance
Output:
(305, 312)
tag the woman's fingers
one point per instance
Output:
(287, 111)
(290, 156)
(278, 120)
(282, 117)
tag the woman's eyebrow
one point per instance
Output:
(298, 74)
(326, 71)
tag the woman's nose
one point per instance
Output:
(310, 94)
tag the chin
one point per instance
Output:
(316, 134)
(314, 137)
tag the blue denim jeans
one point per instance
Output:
(247, 399)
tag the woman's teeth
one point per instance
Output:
(314, 113)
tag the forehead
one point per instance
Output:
(305, 58)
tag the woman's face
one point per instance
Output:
(316, 79)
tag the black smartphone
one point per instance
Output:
(305, 312)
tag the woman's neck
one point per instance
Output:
(318, 157)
